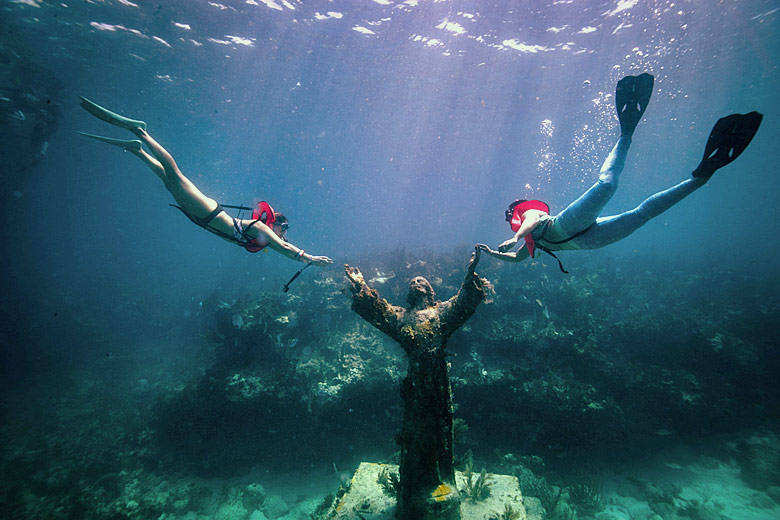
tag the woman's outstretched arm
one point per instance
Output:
(517, 256)
(530, 223)
(256, 229)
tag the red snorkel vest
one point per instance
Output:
(516, 219)
(265, 214)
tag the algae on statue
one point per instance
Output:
(427, 471)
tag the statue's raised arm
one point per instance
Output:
(455, 311)
(375, 310)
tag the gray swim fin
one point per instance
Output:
(631, 98)
(728, 139)
(111, 117)
(131, 145)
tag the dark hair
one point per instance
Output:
(279, 218)
(508, 213)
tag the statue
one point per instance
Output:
(427, 473)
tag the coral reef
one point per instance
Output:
(605, 366)
(759, 459)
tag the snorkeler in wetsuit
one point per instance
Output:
(267, 228)
(579, 225)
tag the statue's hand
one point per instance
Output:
(474, 260)
(355, 277)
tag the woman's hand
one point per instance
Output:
(320, 260)
(507, 245)
(486, 249)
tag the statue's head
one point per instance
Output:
(421, 293)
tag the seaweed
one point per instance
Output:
(324, 506)
(459, 430)
(508, 514)
(390, 481)
(547, 495)
(585, 495)
(476, 488)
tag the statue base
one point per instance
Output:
(366, 498)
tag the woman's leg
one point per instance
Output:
(134, 147)
(585, 210)
(184, 192)
(609, 230)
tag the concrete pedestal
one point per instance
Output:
(366, 498)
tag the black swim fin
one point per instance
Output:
(631, 97)
(729, 138)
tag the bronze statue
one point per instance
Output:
(427, 472)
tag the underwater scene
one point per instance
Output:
(497, 260)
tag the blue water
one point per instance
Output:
(375, 126)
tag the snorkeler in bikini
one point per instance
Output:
(579, 225)
(266, 228)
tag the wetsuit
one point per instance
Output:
(583, 213)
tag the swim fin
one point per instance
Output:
(111, 117)
(131, 145)
(631, 97)
(729, 138)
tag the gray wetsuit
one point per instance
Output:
(583, 213)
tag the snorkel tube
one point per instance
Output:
(296, 275)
